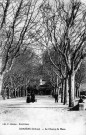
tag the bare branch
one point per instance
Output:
(5, 13)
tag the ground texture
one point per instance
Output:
(44, 117)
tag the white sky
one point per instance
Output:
(84, 1)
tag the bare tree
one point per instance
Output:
(23, 21)
(23, 71)
(66, 32)
(3, 12)
(19, 21)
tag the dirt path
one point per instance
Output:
(40, 118)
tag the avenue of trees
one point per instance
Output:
(19, 21)
(51, 73)
(57, 28)
(24, 72)
(66, 34)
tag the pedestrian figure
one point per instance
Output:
(28, 100)
(7, 91)
(56, 97)
(80, 100)
(32, 97)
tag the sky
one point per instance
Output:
(84, 1)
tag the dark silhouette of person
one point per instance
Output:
(80, 100)
(7, 90)
(56, 97)
(33, 97)
(28, 100)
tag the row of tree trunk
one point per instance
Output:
(8, 93)
(67, 91)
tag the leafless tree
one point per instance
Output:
(66, 32)
(19, 22)
(23, 71)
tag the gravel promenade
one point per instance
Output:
(44, 117)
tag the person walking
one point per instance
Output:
(56, 97)
(33, 97)
(28, 100)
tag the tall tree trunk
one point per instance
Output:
(65, 90)
(57, 89)
(62, 91)
(2, 90)
(1, 78)
(19, 93)
(25, 91)
(76, 91)
(15, 92)
(71, 89)
(79, 92)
